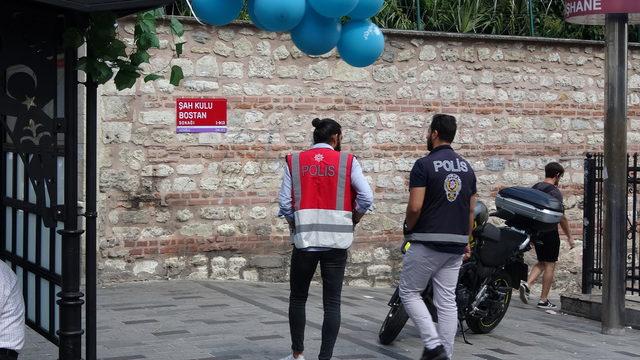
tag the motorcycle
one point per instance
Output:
(496, 265)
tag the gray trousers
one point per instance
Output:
(421, 264)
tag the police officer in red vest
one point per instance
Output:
(323, 196)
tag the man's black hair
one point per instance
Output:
(445, 125)
(325, 129)
(553, 169)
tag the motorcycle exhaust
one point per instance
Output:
(482, 295)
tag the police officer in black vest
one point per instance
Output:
(438, 223)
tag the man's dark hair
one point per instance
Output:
(325, 129)
(445, 125)
(553, 169)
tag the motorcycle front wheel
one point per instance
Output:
(486, 324)
(393, 324)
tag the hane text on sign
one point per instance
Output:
(575, 8)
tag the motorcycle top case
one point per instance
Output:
(529, 209)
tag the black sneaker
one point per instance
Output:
(547, 305)
(524, 292)
(439, 353)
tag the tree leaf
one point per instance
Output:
(99, 45)
(148, 15)
(125, 78)
(100, 71)
(145, 33)
(179, 48)
(148, 40)
(118, 49)
(155, 41)
(148, 25)
(148, 21)
(122, 63)
(152, 77)
(140, 57)
(137, 31)
(72, 38)
(159, 12)
(177, 27)
(176, 75)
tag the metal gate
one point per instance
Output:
(592, 260)
(38, 186)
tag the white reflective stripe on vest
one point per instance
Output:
(323, 228)
(334, 240)
(295, 180)
(342, 180)
(438, 238)
(319, 216)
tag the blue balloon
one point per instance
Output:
(316, 34)
(333, 8)
(217, 12)
(252, 14)
(366, 9)
(361, 43)
(279, 15)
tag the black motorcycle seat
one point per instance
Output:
(502, 234)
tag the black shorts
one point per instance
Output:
(548, 246)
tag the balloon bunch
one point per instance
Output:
(315, 25)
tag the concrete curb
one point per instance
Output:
(589, 306)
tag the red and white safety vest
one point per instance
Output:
(322, 198)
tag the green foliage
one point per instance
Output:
(498, 17)
(107, 54)
(395, 15)
(176, 75)
(469, 16)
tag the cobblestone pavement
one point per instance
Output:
(186, 320)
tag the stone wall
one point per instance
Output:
(204, 206)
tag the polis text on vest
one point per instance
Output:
(450, 165)
(317, 170)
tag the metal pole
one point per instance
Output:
(589, 223)
(419, 16)
(533, 30)
(615, 175)
(91, 190)
(70, 302)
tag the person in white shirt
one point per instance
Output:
(11, 314)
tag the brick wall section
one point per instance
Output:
(205, 205)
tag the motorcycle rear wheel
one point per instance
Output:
(486, 324)
(393, 324)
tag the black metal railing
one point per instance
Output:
(593, 227)
(40, 237)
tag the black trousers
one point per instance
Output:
(8, 357)
(303, 266)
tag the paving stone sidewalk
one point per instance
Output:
(187, 320)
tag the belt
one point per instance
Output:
(9, 352)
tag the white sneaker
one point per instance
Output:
(546, 305)
(290, 357)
